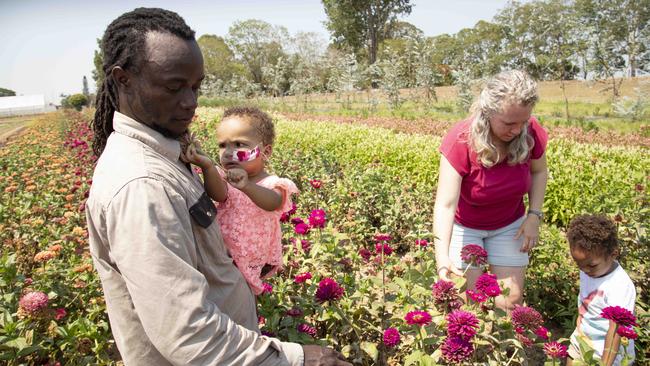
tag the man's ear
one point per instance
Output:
(122, 79)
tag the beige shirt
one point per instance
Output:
(173, 294)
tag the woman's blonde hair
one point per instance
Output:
(504, 89)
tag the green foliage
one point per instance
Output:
(76, 101)
(7, 92)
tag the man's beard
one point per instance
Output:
(165, 132)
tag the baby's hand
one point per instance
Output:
(191, 152)
(237, 177)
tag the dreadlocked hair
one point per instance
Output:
(123, 45)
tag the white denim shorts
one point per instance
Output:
(502, 247)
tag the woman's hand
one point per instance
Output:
(530, 231)
(446, 269)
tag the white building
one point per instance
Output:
(24, 104)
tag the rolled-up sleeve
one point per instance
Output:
(153, 247)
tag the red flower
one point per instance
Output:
(267, 288)
(382, 237)
(473, 254)
(476, 296)
(462, 324)
(456, 350)
(302, 277)
(391, 337)
(555, 350)
(619, 315)
(307, 329)
(60, 313)
(627, 332)
(294, 312)
(316, 183)
(542, 333)
(422, 243)
(488, 285)
(317, 219)
(285, 217)
(526, 317)
(365, 254)
(385, 248)
(328, 289)
(417, 317)
(301, 228)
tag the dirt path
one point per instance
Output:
(12, 126)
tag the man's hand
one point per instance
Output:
(237, 177)
(323, 356)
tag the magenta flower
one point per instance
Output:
(619, 315)
(488, 285)
(445, 295)
(382, 238)
(305, 244)
(383, 247)
(294, 312)
(365, 254)
(301, 228)
(542, 333)
(626, 332)
(328, 289)
(285, 217)
(60, 313)
(456, 350)
(526, 317)
(267, 288)
(555, 350)
(302, 277)
(267, 333)
(527, 342)
(462, 324)
(33, 301)
(316, 183)
(317, 219)
(422, 243)
(476, 296)
(391, 337)
(417, 317)
(307, 329)
(293, 209)
(473, 254)
(297, 220)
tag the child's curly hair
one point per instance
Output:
(593, 233)
(259, 119)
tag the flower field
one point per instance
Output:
(359, 273)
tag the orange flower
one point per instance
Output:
(56, 248)
(69, 197)
(44, 256)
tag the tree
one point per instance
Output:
(256, 44)
(218, 58)
(85, 91)
(76, 101)
(363, 24)
(7, 92)
(98, 60)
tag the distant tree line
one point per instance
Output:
(370, 47)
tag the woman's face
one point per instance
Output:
(508, 124)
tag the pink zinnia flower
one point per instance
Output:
(476, 296)
(293, 209)
(294, 312)
(542, 333)
(382, 237)
(317, 219)
(28, 281)
(302, 277)
(316, 183)
(445, 295)
(627, 332)
(619, 315)
(473, 254)
(305, 244)
(44, 256)
(556, 350)
(462, 324)
(423, 243)
(285, 217)
(391, 337)
(328, 289)
(365, 253)
(301, 228)
(527, 342)
(267, 288)
(488, 285)
(307, 329)
(456, 350)
(60, 313)
(297, 220)
(417, 317)
(33, 301)
(382, 247)
(526, 317)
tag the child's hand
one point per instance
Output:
(237, 177)
(191, 152)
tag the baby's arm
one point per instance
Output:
(612, 344)
(264, 198)
(214, 185)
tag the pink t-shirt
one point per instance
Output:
(490, 198)
(253, 235)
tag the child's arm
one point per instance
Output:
(214, 185)
(612, 344)
(264, 198)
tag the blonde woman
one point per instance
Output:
(488, 163)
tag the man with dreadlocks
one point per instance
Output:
(174, 296)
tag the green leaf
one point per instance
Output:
(413, 358)
(371, 349)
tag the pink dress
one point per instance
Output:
(252, 235)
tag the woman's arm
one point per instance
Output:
(530, 228)
(447, 197)
(612, 343)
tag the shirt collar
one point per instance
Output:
(127, 126)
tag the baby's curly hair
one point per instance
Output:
(593, 233)
(259, 119)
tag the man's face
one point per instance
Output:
(163, 94)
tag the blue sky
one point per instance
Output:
(47, 46)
